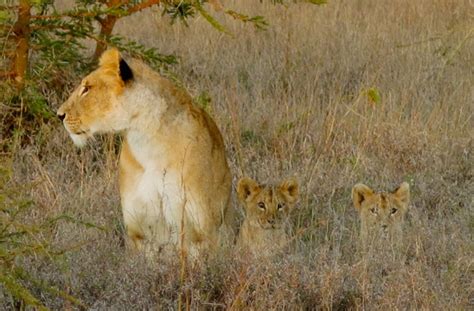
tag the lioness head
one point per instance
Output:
(267, 206)
(94, 106)
(381, 213)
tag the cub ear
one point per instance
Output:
(113, 62)
(246, 188)
(289, 189)
(402, 193)
(360, 193)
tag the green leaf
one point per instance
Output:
(258, 21)
(19, 291)
(77, 221)
(150, 55)
(211, 20)
(179, 10)
(204, 100)
(317, 2)
(4, 15)
(37, 2)
(37, 103)
(286, 127)
(374, 96)
(21, 273)
(251, 138)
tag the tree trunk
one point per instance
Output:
(106, 28)
(21, 32)
(107, 24)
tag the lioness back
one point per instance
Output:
(263, 230)
(174, 176)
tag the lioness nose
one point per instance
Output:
(384, 227)
(61, 116)
(271, 221)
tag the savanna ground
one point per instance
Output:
(368, 91)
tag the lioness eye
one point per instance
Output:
(85, 89)
(280, 205)
(261, 205)
(394, 210)
(373, 210)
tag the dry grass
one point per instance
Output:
(294, 100)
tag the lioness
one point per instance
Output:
(381, 214)
(174, 176)
(266, 209)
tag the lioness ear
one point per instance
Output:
(125, 71)
(113, 62)
(402, 193)
(360, 193)
(289, 189)
(246, 187)
(110, 59)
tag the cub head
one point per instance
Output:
(381, 213)
(94, 106)
(267, 206)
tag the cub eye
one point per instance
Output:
(85, 89)
(373, 210)
(280, 206)
(261, 205)
(393, 211)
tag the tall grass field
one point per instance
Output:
(370, 91)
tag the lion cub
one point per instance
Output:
(266, 209)
(381, 213)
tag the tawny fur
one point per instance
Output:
(382, 214)
(173, 167)
(264, 229)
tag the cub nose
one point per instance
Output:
(271, 221)
(384, 227)
(61, 116)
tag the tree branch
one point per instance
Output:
(7, 74)
(8, 7)
(84, 14)
(142, 6)
(107, 24)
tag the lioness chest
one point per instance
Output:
(154, 188)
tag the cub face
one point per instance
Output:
(94, 105)
(381, 214)
(267, 207)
